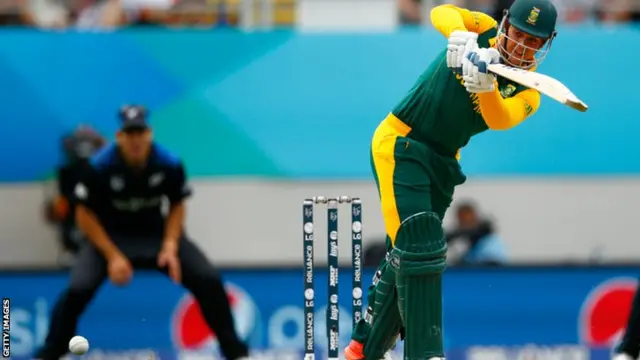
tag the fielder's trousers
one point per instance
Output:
(199, 277)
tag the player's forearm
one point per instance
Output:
(91, 227)
(497, 112)
(447, 19)
(175, 224)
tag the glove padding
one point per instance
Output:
(475, 73)
(460, 44)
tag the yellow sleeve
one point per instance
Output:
(449, 18)
(502, 114)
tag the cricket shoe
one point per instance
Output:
(622, 357)
(355, 351)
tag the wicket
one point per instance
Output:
(333, 312)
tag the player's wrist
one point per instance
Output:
(112, 253)
(170, 244)
(461, 30)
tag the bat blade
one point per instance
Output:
(543, 83)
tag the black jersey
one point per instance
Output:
(130, 201)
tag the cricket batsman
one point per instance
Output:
(414, 156)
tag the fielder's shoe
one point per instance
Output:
(622, 357)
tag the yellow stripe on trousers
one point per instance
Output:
(383, 153)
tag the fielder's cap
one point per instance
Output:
(133, 117)
(535, 17)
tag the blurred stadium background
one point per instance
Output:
(271, 101)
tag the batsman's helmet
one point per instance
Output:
(534, 17)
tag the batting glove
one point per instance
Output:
(475, 73)
(460, 44)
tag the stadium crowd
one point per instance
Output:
(105, 14)
(571, 11)
(109, 14)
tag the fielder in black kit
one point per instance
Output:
(119, 209)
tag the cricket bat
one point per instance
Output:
(543, 83)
